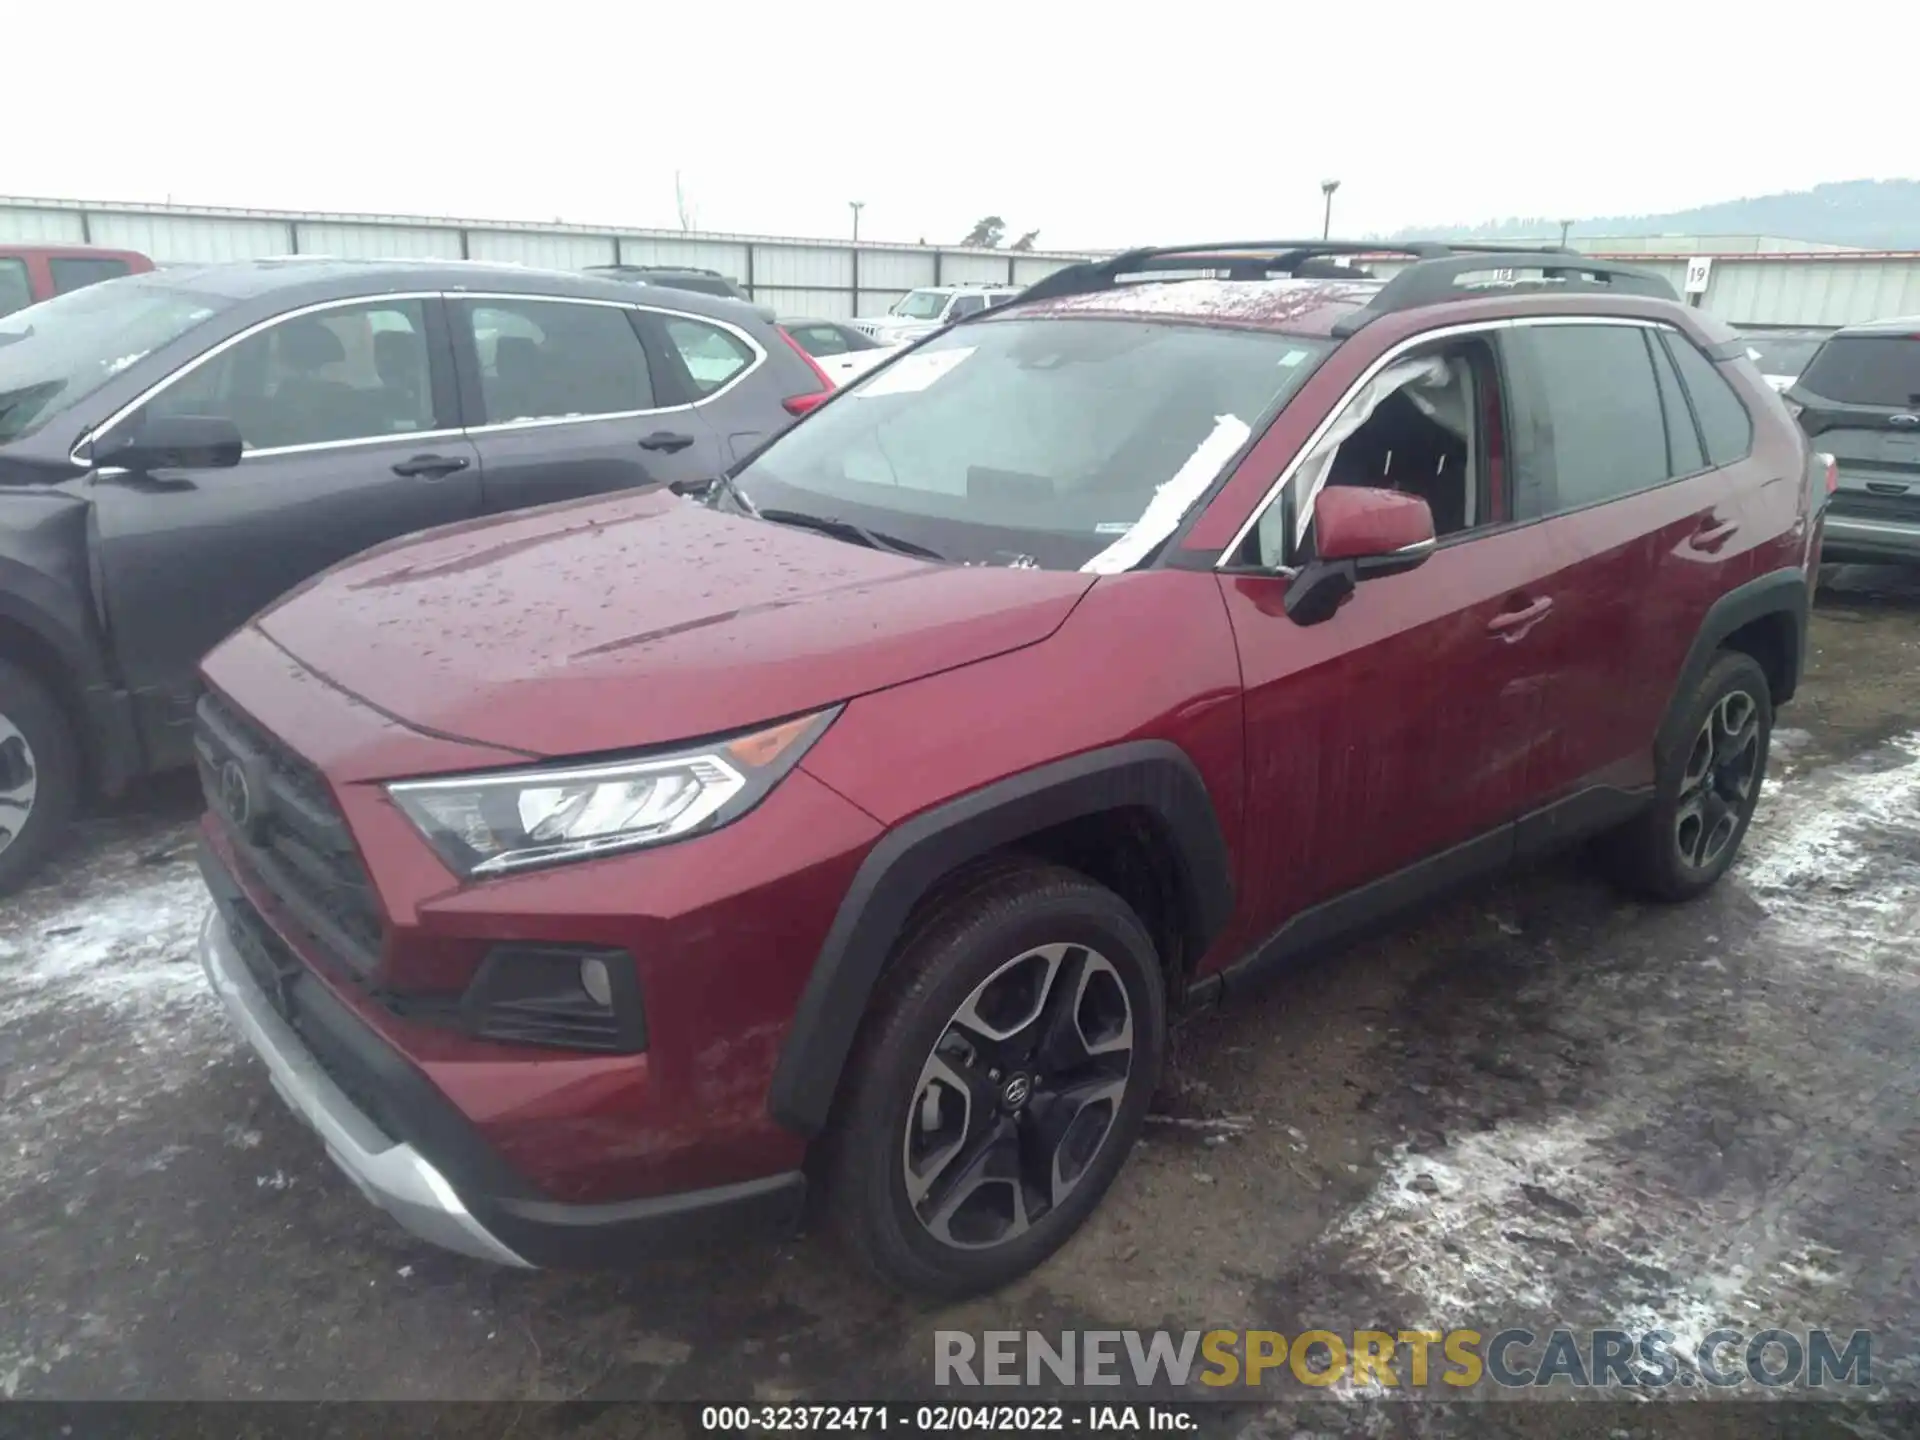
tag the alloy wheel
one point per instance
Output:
(19, 781)
(1717, 788)
(1018, 1096)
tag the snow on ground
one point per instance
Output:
(131, 948)
(1830, 863)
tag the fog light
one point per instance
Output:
(596, 980)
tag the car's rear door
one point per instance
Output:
(734, 381)
(1609, 460)
(348, 417)
(1859, 401)
(563, 400)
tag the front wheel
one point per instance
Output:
(1000, 1082)
(39, 775)
(1705, 789)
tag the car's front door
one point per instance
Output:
(564, 400)
(1390, 742)
(346, 412)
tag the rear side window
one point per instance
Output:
(15, 293)
(554, 359)
(75, 272)
(1724, 421)
(1587, 423)
(1684, 455)
(713, 356)
(1867, 370)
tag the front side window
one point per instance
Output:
(1426, 425)
(74, 272)
(554, 359)
(713, 356)
(355, 372)
(16, 291)
(968, 305)
(56, 353)
(1587, 422)
(1031, 441)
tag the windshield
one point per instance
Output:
(1867, 370)
(921, 305)
(60, 351)
(1782, 354)
(1032, 441)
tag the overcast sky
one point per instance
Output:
(1098, 124)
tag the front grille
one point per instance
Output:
(282, 822)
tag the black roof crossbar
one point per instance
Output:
(1433, 276)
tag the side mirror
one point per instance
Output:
(172, 442)
(1359, 534)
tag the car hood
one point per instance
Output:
(617, 624)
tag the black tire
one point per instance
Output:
(1058, 926)
(1676, 848)
(37, 738)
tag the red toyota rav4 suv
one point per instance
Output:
(620, 871)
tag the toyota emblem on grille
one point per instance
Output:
(236, 796)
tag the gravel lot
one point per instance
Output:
(1542, 1104)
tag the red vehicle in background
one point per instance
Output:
(32, 273)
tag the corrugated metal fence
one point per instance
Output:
(834, 279)
(838, 279)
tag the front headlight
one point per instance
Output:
(508, 820)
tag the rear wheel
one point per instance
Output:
(999, 1085)
(39, 774)
(1706, 788)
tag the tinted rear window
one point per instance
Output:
(1867, 370)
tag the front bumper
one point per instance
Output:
(394, 1176)
(420, 1161)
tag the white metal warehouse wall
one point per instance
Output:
(797, 277)
(1842, 287)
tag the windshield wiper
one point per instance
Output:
(847, 530)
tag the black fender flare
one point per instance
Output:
(1778, 592)
(908, 860)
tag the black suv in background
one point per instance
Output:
(1859, 400)
(179, 449)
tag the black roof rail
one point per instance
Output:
(1432, 277)
(1432, 282)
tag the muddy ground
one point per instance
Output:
(1542, 1105)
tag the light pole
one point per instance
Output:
(1565, 225)
(856, 206)
(1327, 187)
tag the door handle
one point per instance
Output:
(429, 467)
(667, 441)
(1512, 624)
(1712, 534)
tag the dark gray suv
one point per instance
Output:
(1859, 400)
(180, 448)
